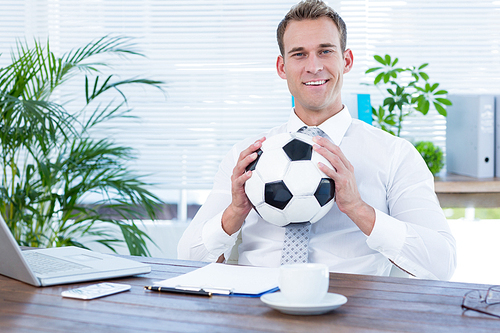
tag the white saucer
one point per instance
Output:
(277, 301)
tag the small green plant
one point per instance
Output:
(432, 154)
(407, 89)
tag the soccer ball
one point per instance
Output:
(286, 184)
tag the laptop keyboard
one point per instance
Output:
(44, 264)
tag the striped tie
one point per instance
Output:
(296, 242)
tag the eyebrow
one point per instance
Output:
(328, 45)
(300, 48)
(296, 49)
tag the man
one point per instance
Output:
(386, 212)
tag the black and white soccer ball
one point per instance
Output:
(286, 184)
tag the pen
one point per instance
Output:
(199, 292)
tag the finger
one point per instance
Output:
(252, 148)
(331, 149)
(239, 180)
(331, 157)
(331, 172)
(337, 170)
(247, 156)
(241, 166)
(239, 196)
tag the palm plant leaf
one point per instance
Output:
(98, 90)
(27, 120)
(107, 44)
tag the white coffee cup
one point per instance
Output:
(304, 283)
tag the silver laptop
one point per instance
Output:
(46, 267)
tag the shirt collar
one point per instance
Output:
(335, 127)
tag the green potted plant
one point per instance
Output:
(432, 155)
(50, 161)
(406, 90)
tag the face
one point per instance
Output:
(314, 65)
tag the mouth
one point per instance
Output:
(316, 83)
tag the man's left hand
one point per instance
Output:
(346, 190)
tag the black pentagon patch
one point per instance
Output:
(251, 166)
(298, 150)
(325, 191)
(276, 194)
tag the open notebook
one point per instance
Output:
(45, 267)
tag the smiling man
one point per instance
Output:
(314, 62)
(386, 212)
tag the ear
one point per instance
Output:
(280, 67)
(348, 60)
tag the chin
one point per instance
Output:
(315, 108)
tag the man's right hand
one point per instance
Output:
(235, 214)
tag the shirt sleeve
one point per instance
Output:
(414, 234)
(204, 239)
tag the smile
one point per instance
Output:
(315, 83)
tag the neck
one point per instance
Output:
(315, 118)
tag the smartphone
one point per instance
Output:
(96, 290)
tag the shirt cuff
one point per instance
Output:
(388, 235)
(216, 240)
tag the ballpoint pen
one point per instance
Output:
(199, 292)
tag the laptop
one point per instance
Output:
(53, 266)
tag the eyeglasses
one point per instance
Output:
(475, 301)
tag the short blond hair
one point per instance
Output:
(311, 10)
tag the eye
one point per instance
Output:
(298, 54)
(326, 51)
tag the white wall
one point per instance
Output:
(478, 250)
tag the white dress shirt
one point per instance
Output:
(410, 229)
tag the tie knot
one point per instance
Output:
(311, 131)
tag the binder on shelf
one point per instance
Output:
(364, 108)
(470, 135)
(359, 106)
(497, 136)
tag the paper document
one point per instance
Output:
(227, 279)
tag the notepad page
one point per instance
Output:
(239, 279)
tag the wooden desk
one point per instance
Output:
(375, 304)
(463, 191)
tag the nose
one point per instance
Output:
(314, 64)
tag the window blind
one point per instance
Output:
(218, 60)
(459, 39)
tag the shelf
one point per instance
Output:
(463, 184)
(463, 191)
